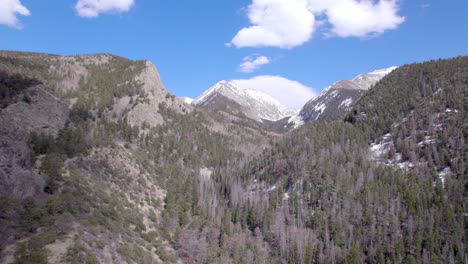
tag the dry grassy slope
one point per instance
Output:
(118, 182)
(125, 212)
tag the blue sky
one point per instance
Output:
(293, 48)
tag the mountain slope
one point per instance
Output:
(424, 129)
(251, 103)
(207, 186)
(338, 98)
(385, 186)
(68, 126)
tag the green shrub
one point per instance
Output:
(100, 244)
(32, 215)
(126, 252)
(152, 215)
(52, 165)
(41, 143)
(150, 236)
(91, 259)
(33, 250)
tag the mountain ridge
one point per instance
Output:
(338, 98)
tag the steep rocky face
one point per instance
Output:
(34, 109)
(147, 111)
(339, 98)
(253, 104)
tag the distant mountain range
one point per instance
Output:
(331, 104)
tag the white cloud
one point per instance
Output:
(9, 11)
(252, 63)
(360, 19)
(277, 23)
(92, 8)
(288, 92)
(291, 23)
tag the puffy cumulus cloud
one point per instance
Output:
(92, 8)
(276, 23)
(291, 23)
(363, 18)
(252, 63)
(288, 92)
(9, 10)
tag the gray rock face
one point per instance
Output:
(16, 174)
(43, 114)
(147, 111)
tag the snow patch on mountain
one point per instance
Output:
(187, 100)
(380, 149)
(320, 107)
(381, 146)
(346, 103)
(295, 121)
(427, 141)
(443, 174)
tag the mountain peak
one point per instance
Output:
(254, 104)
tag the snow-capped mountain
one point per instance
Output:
(338, 98)
(254, 104)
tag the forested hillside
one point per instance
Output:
(126, 173)
(325, 195)
(114, 176)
